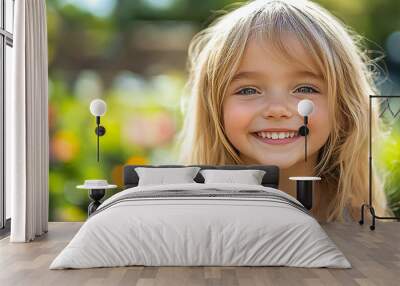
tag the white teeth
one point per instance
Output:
(261, 134)
(277, 135)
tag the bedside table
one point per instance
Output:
(97, 190)
(304, 188)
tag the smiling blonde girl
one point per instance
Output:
(247, 72)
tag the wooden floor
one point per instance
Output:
(374, 255)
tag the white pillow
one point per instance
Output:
(161, 176)
(249, 177)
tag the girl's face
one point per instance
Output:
(264, 94)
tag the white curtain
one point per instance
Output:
(27, 155)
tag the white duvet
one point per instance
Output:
(183, 231)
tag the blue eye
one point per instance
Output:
(306, 89)
(247, 91)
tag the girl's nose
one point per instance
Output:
(277, 109)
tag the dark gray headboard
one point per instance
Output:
(270, 179)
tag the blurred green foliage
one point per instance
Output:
(132, 54)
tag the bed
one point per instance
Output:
(201, 223)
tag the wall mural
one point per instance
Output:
(133, 55)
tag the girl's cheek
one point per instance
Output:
(319, 123)
(236, 122)
(237, 114)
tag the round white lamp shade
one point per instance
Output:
(98, 107)
(305, 107)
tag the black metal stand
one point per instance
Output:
(369, 205)
(304, 191)
(305, 138)
(100, 131)
(96, 195)
(304, 188)
(303, 131)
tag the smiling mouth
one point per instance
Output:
(277, 138)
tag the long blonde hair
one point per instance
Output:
(214, 56)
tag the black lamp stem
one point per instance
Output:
(98, 130)
(305, 138)
(97, 147)
(305, 148)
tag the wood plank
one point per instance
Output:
(374, 255)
